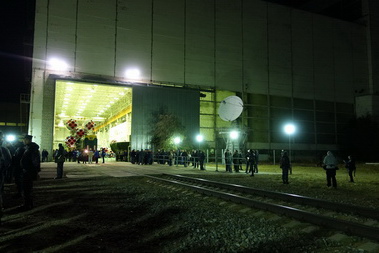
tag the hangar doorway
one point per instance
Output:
(88, 111)
(113, 113)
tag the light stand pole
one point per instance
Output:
(289, 129)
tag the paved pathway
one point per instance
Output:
(122, 169)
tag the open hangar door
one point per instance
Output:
(181, 102)
(85, 110)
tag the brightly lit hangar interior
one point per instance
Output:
(97, 115)
(91, 114)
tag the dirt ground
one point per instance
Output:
(105, 208)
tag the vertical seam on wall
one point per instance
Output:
(242, 62)
(334, 84)
(268, 78)
(46, 34)
(214, 69)
(185, 41)
(353, 68)
(115, 41)
(292, 66)
(313, 84)
(76, 33)
(152, 41)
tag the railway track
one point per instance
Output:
(352, 220)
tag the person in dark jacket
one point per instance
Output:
(285, 165)
(59, 158)
(351, 168)
(45, 154)
(5, 162)
(228, 161)
(30, 164)
(252, 162)
(17, 169)
(201, 157)
(236, 161)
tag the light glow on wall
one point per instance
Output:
(133, 73)
(57, 64)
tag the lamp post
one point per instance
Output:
(177, 141)
(233, 136)
(289, 129)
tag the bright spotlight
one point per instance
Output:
(177, 140)
(133, 74)
(234, 135)
(56, 64)
(199, 138)
(10, 138)
(289, 129)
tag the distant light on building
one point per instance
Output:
(289, 129)
(57, 64)
(10, 138)
(134, 74)
(199, 138)
(234, 135)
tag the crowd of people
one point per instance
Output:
(195, 158)
(20, 162)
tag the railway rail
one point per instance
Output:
(319, 212)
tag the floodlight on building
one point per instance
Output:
(57, 64)
(234, 135)
(10, 137)
(289, 128)
(177, 140)
(133, 74)
(199, 138)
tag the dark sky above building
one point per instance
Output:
(16, 26)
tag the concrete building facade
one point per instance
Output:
(286, 64)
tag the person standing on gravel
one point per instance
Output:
(228, 161)
(351, 168)
(30, 164)
(285, 165)
(330, 166)
(59, 158)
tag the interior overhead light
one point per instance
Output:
(69, 83)
(60, 124)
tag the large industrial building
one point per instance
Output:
(113, 63)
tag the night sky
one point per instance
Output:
(16, 26)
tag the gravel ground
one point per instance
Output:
(134, 214)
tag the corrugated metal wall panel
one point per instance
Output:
(96, 37)
(199, 44)
(323, 58)
(134, 37)
(228, 45)
(168, 41)
(180, 102)
(279, 52)
(302, 54)
(62, 31)
(255, 47)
